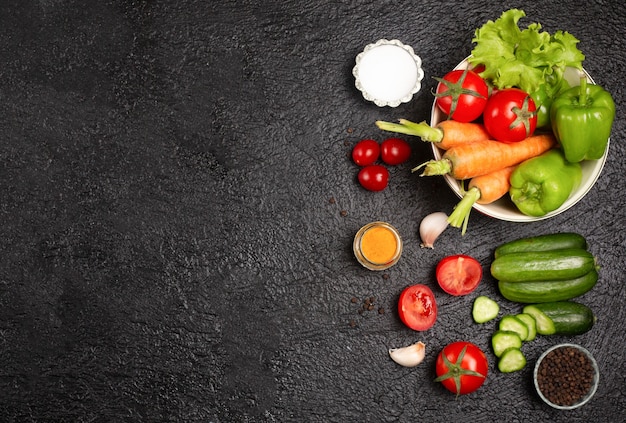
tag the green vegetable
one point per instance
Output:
(561, 317)
(530, 323)
(528, 58)
(511, 360)
(581, 119)
(542, 184)
(484, 309)
(547, 242)
(543, 101)
(510, 323)
(543, 265)
(548, 291)
(502, 340)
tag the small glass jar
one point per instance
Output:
(377, 246)
(554, 375)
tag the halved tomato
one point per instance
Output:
(459, 274)
(417, 307)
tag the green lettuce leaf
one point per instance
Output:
(525, 58)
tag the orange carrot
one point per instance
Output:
(493, 185)
(446, 134)
(469, 160)
(483, 189)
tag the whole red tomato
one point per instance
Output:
(374, 177)
(395, 151)
(510, 115)
(417, 307)
(461, 367)
(365, 152)
(462, 95)
(459, 274)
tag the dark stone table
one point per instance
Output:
(178, 205)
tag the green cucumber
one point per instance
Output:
(546, 242)
(543, 265)
(513, 324)
(511, 360)
(561, 317)
(531, 325)
(502, 340)
(484, 309)
(548, 291)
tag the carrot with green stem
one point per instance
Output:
(469, 160)
(445, 135)
(484, 189)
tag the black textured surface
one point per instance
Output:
(170, 250)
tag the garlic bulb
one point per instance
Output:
(409, 356)
(431, 227)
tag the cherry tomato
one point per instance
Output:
(395, 151)
(462, 95)
(374, 177)
(461, 367)
(417, 307)
(365, 152)
(459, 274)
(510, 115)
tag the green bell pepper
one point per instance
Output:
(542, 184)
(542, 103)
(581, 119)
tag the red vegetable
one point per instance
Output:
(459, 274)
(510, 115)
(462, 95)
(365, 152)
(374, 177)
(461, 367)
(417, 307)
(395, 151)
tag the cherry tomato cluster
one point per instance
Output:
(392, 151)
(509, 114)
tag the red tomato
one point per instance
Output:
(395, 151)
(374, 177)
(461, 367)
(365, 152)
(479, 68)
(462, 95)
(510, 115)
(417, 307)
(459, 274)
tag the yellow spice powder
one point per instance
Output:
(379, 245)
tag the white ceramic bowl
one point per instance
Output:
(388, 73)
(504, 209)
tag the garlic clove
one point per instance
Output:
(409, 356)
(431, 227)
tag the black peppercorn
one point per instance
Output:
(565, 376)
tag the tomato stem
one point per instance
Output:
(523, 116)
(455, 90)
